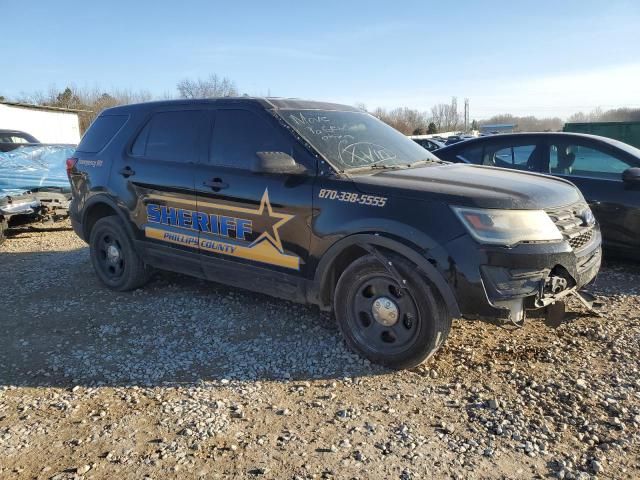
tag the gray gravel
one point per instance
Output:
(186, 378)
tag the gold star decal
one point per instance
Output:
(271, 231)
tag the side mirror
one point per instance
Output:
(631, 176)
(277, 163)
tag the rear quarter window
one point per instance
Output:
(101, 131)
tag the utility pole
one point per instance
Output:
(466, 114)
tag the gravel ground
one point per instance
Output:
(191, 379)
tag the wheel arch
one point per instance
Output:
(101, 206)
(345, 251)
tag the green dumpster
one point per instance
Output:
(627, 132)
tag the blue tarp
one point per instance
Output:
(34, 166)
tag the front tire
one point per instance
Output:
(393, 325)
(114, 259)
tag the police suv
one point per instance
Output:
(324, 204)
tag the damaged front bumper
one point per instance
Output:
(503, 283)
(516, 292)
(23, 204)
(43, 204)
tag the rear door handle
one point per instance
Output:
(126, 171)
(216, 184)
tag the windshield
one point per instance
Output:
(351, 140)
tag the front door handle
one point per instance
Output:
(216, 184)
(126, 171)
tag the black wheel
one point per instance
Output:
(3, 228)
(399, 326)
(114, 259)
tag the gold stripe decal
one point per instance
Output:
(197, 229)
(263, 252)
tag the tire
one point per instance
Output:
(422, 322)
(3, 227)
(114, 259)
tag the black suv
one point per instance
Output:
(324, 204)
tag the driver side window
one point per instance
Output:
(581, 161)
(239, 134)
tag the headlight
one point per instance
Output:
(508, 227)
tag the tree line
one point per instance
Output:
(442, 117)
(91, 101)
(446, 118)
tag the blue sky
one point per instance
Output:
(525, 57)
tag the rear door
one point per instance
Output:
(596, 169)
(252, 224)
(156, 176)
(517, 153)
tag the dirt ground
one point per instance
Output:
(189, 379)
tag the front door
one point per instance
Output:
(255, 224)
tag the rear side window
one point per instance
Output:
(171, 136)
(101, 131)
(522, 157)
(239, 134)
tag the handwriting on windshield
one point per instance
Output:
(321, 126)
(343, 136)
(365, 153)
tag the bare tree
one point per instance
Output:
(614, 115)
(211, 87)
(446, 116)
(403, 119)
(91, 102)
(527, 123)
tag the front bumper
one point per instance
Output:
(24, 204)
(493, 282)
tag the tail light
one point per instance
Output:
(71, 162)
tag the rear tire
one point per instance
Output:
(3, 228)
(114, 259)
(385, 323)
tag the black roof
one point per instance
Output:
(5, 130)
(558, 135)
(19, 133)
(270, 103)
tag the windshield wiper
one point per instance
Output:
(425, 161)
(376, 166)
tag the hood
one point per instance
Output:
(472, 186)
